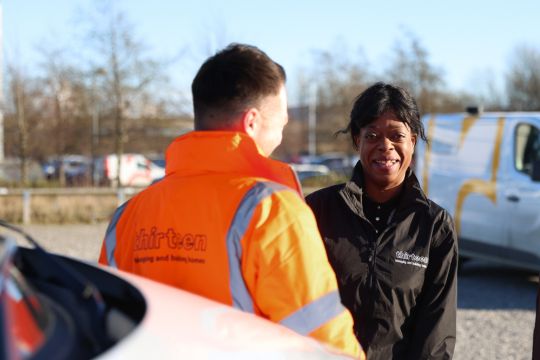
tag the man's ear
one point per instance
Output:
(251, 121)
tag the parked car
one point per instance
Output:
(306, 171)
(135, 170)
(75, 169)
(159, 160)
(339, 163)
(55, 307)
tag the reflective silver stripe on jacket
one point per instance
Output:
(110, 235)
(241, 298)
(315, 314)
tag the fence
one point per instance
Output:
(79, 205)
(66, 205)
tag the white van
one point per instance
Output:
(136, 170)
(485, 170)
(306, 171)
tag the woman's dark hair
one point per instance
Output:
(378, 99)
(232, 80)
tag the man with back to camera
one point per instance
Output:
(227, 222)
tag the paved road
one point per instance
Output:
(496, 309)
(496, 305)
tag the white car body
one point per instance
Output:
(54, 307)
(179, 324)
(135, 170)
(304, 171)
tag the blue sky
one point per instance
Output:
(469, 40)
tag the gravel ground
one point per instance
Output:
(496, 305)
(78, 241)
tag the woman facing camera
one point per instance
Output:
(394, 251)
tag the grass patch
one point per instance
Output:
(80, 206)
(59, 209)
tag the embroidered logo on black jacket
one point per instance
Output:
(403, 257)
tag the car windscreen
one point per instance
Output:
(53, 307)
(23, 317)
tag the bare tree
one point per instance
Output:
(337, 81)
(127, 73)
(411, 69)
(18, 94)
(523, 79)
(489, 95)
(66, 103)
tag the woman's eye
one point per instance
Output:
(370, 136)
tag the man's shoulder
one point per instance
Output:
(279, 196)
(281, 192)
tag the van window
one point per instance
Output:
(527, 147)
(143, 165)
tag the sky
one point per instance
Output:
(469, 40)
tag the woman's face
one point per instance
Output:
(386, 147)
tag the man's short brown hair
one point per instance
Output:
(231, 81)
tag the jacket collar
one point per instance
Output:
(411, 195)
(214, 152)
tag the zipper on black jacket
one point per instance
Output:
(371, 261)
(372, 253)
(373, 247)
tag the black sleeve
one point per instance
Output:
(314, 201)
(434, 333)
(536, 340)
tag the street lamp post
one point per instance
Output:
(95, 125)
(1, 90)
(312, 122)
(95, 137)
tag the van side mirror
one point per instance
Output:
(535, 172)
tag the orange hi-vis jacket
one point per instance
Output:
(230, 224)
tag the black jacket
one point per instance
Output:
(536, 336)
(400, 285)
